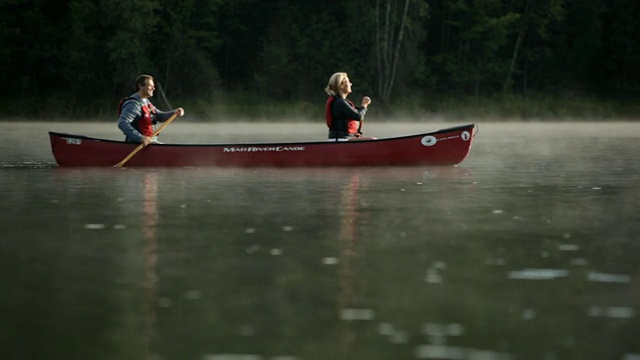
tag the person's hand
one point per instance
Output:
(146, 140)
(366, 101)
(180, 111)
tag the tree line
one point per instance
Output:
(80, 51)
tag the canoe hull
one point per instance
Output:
(443, 147)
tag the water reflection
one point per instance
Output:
(150, 221)
(516, 254)
(349, 295)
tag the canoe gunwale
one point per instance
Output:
(394, 138)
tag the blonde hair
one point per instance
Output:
(333, 87)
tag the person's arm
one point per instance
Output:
(162, 116)
(365, 105)
(345, 110)
(130, 109)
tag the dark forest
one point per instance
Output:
(78, 57)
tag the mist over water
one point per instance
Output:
(526, 250)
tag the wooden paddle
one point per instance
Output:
(135, 151)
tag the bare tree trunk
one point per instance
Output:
(388, 47)
(396, 54)
(508, 82)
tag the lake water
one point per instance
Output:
(529, 249)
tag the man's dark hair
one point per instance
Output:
(142, 80)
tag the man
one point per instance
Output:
(138, 115)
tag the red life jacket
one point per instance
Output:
(352, 125)
(144, 124)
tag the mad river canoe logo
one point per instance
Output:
(263, 149)
(430, 140)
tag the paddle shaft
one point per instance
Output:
(164, 96)
(135, 151)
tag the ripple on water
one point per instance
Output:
(608, 278)
(245, 357)
(28, 165)
(537, 274)
(615, 312)
(232, 357)
(435, 329)
(330, 261)
(453, 352)
(631, 357)
(350, 314)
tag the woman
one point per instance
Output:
(344, 119)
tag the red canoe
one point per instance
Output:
(444, 147)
